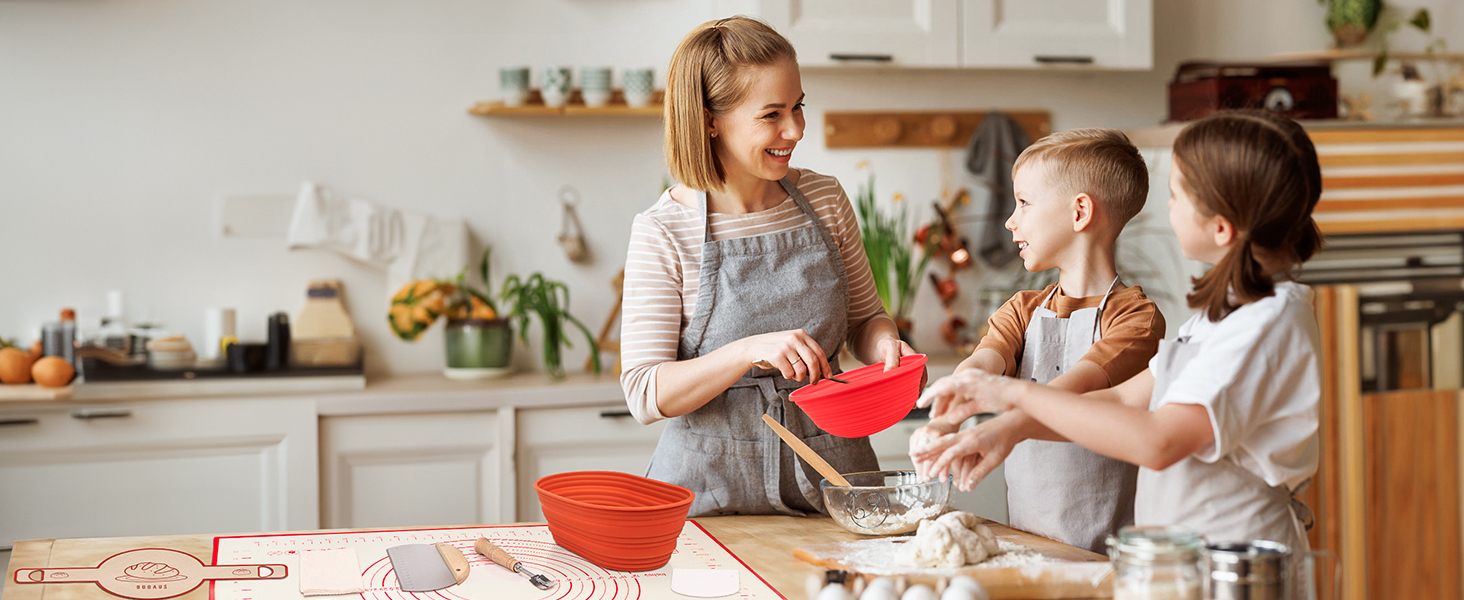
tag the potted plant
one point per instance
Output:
(891, 248)
(549, 300)
(479, 343)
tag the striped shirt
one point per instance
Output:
(663, 265)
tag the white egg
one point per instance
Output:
(919, 592)
(877, 591)
(964, 588)
(834, 591)
(811, 586)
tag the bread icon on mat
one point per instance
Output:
(150, 572)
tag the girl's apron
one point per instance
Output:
(1061, 490)
(723, 451)
(1221, 500)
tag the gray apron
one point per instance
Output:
(1061, 490)
(1221, 500)
(723, 451)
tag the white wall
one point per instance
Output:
(122, 121)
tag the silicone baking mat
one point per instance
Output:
(531, 544)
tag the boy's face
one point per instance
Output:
(1041, 224)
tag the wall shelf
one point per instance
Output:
(933, 129)
(573, 107)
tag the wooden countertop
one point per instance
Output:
(765, 543)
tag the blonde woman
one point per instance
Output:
(744, 260)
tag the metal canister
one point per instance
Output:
(1256, 570)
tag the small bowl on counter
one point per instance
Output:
(885, 502)
(170, 354)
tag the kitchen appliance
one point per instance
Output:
(1296, 90)
(150, 573)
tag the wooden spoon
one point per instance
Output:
(819, 464)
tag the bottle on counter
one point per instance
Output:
(58, 338)
(1155, 563)
(113, 332)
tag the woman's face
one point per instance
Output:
(1196, 232)
(757, 136)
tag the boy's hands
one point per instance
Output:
(968, 393)
(927, 442)
(970, 454)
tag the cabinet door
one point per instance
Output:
(892, 447)
(1110, 34)
(918, 33)
(404, 470)
(157, 467)
(589, 438)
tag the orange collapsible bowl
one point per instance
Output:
(871, 402)
(618, 521)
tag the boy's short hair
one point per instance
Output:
(1102, 163)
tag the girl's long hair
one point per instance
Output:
(1259, 171)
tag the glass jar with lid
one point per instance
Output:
(1155, 563)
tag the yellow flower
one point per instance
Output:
(899, 197)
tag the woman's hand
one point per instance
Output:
(793, 353)
(968, 393)
(891, 349)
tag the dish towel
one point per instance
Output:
(408, 245)
(330, 572)
(989, 156)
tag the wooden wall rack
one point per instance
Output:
(933, 129)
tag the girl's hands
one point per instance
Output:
(970, 454)
(925, 444)
(793, 353)
(968, 393)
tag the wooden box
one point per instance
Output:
(1299, 91)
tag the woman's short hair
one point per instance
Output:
(707, 78)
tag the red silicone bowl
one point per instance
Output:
(871, 402)
(617, 521)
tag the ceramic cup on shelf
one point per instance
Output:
(555, 86)
(595, 85)
(513, 83)
(640, 86)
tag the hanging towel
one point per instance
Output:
(408, 245)
(989, 156)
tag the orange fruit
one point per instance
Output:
(53, 371)
(15, 366)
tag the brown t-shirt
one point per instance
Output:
(1130, 325)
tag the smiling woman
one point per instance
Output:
(744, 260)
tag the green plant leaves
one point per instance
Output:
(549, 300)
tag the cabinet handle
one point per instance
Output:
(614, 414)
(87, 415)
(1064, 60)
(862, 57)
(18, 422)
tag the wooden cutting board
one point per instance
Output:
(1070, 574)
(32, 392)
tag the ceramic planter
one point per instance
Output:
(478, 348)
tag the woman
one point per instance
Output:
(745, 260)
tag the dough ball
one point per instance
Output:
(953, 540)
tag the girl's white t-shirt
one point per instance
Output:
(1258, 375)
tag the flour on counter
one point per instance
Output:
(878, 557)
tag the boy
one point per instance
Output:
(1075, 190)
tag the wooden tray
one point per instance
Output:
(32, 391)
(1071, 575)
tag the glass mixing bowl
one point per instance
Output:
(885, 502)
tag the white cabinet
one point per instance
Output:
(1108, 34)
(422, 469)
(603, 437)
(892, 447)
(916, 33)
(1112, 34)
(157, 467)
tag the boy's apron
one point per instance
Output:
(1061, 490)
(1221, 500)
(723, 451)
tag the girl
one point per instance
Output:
(1224, 422)
(745, 260)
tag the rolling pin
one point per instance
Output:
(496, 554)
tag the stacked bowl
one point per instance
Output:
(871, 402)
(617, 521)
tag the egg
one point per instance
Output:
(15, 366)
(877, 591)
(834, 591)
(964, 588)
(919, 592)
(52, 371)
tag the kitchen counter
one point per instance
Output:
(765, 543)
